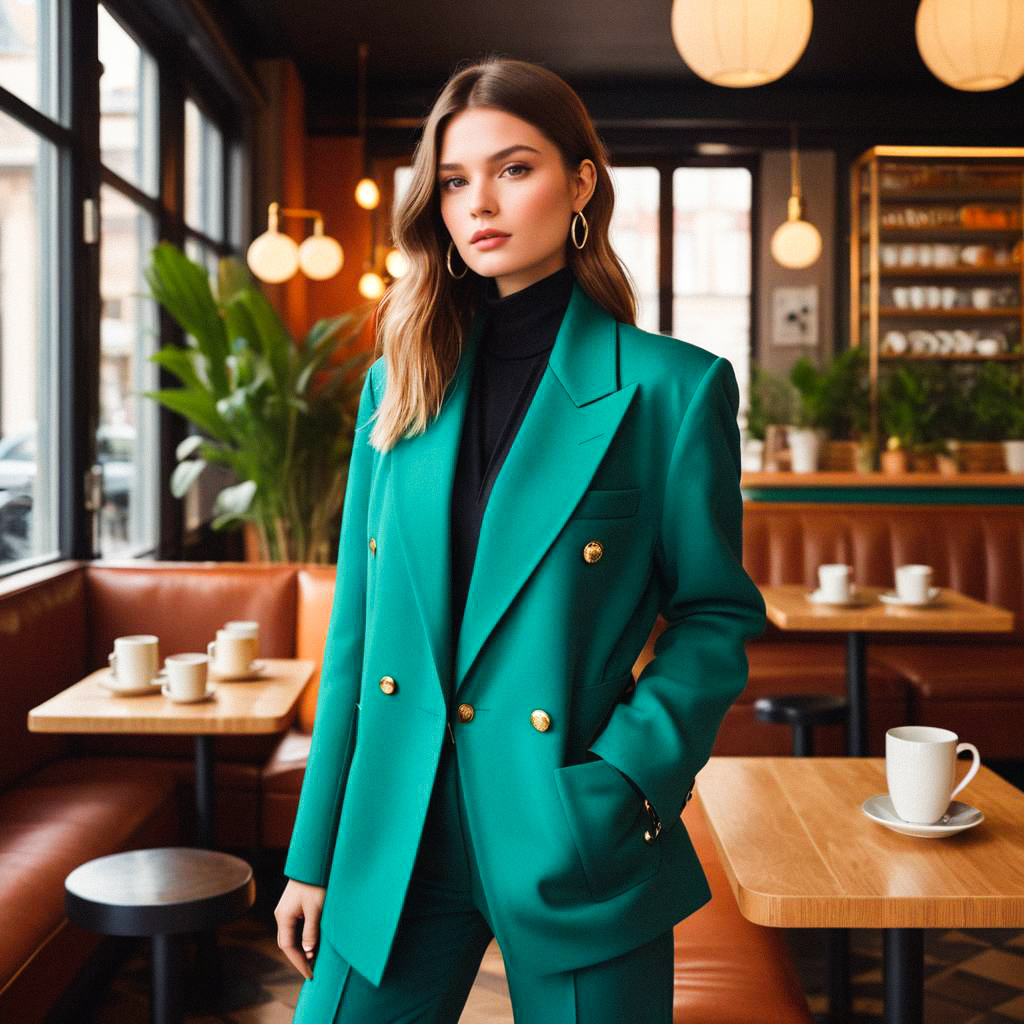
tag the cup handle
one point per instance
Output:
(972, 771)
(210, 648)
(112, 661)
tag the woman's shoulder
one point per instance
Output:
(661, 363)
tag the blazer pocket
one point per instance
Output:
(607, 819)
(614, 503)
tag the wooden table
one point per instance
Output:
(787, 607)
(247, 707)
(800, 853)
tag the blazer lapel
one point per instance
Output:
(568, 427)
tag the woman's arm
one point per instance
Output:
(312, 842)
(663, 734)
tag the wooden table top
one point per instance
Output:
(800, 853)
(787, 607)
(245, 707)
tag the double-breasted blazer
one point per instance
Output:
(618, 499)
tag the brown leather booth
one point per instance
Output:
(65, 799)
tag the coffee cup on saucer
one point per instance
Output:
(232, 653)
(834, 583)
(914, 583)
(920, 768)
(187, 676)
(134, 661)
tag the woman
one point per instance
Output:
(533, 480)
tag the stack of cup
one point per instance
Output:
(233, 653)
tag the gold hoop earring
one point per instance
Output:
(458, 277)
(586, 230)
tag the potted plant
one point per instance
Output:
(902, 412)
(811, 415)
(770, 408)
(996, 402)
(844, 398)
(277, 412)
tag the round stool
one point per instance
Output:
(160, 893)
(803, 711)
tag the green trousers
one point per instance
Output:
(443, 932)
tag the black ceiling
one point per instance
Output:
(860, 76)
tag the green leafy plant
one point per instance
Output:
(279, 413)
(771, 403)
(996, 402)
(836, 397)
(909, 404)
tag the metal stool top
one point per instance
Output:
(166, 890)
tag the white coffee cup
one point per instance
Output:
(134, 660)
(913, 583)
(246, 627)
(920, 768)
(834, 582)
(187, 675)
(232, 653)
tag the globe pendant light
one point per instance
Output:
(796, 243)
(367, 192)
(320, 256)
(741, 43)
(976, 46)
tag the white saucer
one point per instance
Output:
(891, 597)
(853, 600)
(210, 688)
(961, 816)
(257, 670)
(106, 680)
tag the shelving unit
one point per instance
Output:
(937, 256)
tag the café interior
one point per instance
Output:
(828, 195)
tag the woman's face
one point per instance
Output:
(498, 172)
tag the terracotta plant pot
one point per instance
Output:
(924, 462)
(982, 456)
(894, 462)
(948, 465)
(841, 456)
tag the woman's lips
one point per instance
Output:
(491, 241)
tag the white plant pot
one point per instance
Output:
(1013, 454)
(753, 455)
(804, 445)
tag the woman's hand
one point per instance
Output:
(299, 902)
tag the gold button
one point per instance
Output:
(373, 546)
(387, 684)
(466, 712)
(592, 551)
(540, 720)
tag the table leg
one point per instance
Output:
(857, 694)
(209, 965)
(903, 969)
(204, 792)
(838, 968)
(167, 1005)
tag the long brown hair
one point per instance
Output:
(423, 318)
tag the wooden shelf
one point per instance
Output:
(876, 479)
(1009, 312)
(952, 357)
(996, 270)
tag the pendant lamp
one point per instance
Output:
(741, 43)
(796, 243)
(974, 46)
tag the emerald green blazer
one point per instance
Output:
(618, 499)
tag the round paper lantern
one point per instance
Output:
(741, 43)
(974, 46)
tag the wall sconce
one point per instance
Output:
(274, 257)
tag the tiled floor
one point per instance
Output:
(972, 977)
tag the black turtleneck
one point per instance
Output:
(518, 335)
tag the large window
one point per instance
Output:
(30, 289)
(104, 150)
(127, 443)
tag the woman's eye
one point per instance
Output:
(446, 185)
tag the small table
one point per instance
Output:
(799, 853)
(160, 893)
(787, 607)
(261, 705)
